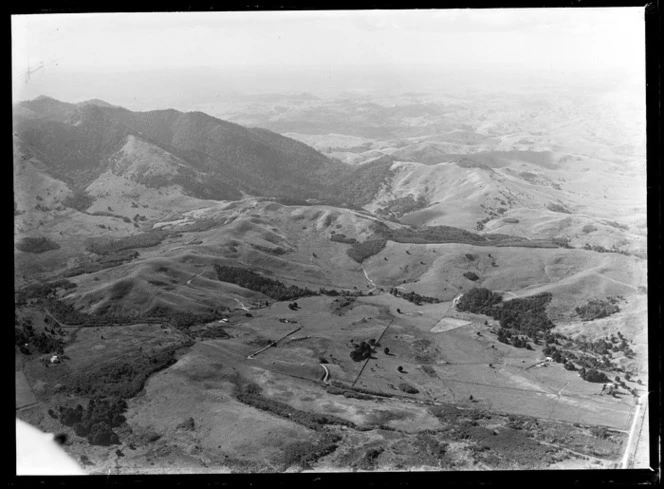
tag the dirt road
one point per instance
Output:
(635, 432)
(373, 284)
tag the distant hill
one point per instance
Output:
(207, 157)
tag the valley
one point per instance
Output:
(334, 282)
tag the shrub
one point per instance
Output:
(471, 276)
(558, 208)
(407, 388)
(79, 200)
(341, 238)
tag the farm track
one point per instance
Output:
(634, 433)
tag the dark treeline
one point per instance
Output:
(183, 320)
(250, 394)
(266, 286)
(414, 297)
(449, 234)
(104, 246)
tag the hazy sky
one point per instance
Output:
(572, 39)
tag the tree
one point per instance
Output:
(399, 368)
(387, 351)
(593, 375)
(81, 429)
(101, 434)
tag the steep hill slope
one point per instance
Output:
(214, 159)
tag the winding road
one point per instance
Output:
(241, 304)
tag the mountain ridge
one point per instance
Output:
(80, 140)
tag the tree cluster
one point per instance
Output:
(95, 423)
(362, 351)
(45, 342)
(414, 297)
(402, 205)
(479, 301)
(526, 315)
(596, 308)
(361, 251)
(266, 286)
(518, 341)
(39, 244)
(341, 238)
(593, 375)
(79, 200)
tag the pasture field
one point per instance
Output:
(410, 407)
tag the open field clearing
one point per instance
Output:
(447, 324)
